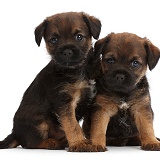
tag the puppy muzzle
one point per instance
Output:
(69, 56)
(120, 80)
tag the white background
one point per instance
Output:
(21, 59)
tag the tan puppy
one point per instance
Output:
(122, 106)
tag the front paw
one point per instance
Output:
(83, 146)
(98, 148)
(151, 147)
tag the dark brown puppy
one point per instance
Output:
(54, 101)
(123, 106)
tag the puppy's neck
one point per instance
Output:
(141, 88)
(64, 72)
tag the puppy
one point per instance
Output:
(122, 105)
(54, 101)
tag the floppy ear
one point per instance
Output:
(99, 45)
(93, 24)
(39, 32)
(153, 54)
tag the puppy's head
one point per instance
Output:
(125, 58)
(68, 37)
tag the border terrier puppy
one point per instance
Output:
(122, 106)
(54, 101)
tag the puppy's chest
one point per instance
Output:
(122, 104)
(79, 90)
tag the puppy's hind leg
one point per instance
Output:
(33, 136)
(52, 144)
(50, 141)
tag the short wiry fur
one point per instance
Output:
(54, 101)
(122, 105)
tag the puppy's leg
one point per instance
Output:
(73, 131)
(144, 122)
(52, 138)
(51, 143)
(35, 134)
(99, 123)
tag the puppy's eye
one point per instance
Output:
(135, 63)
(54, 40)
(79, 37)
(110, 60)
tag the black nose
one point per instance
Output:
(67, 53)
(120, 77)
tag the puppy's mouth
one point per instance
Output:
(69, 56)
(120, 81)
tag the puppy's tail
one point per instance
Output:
(9, 142)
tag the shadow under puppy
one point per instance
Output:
(54, 101)
(122, 106)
